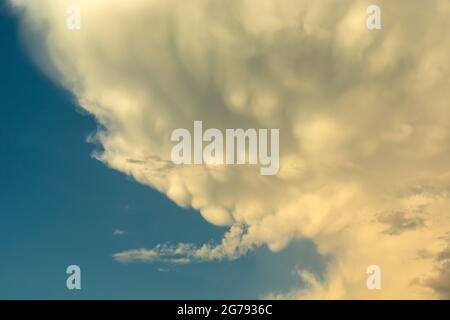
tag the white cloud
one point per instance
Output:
(364, 119)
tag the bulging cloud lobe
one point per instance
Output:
(363, 117)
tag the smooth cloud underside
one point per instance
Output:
(363, 117)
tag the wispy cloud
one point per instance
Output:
(232, 247)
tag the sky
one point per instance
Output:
(92, 92)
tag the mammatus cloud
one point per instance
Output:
(363, 115)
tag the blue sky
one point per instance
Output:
(59, 206)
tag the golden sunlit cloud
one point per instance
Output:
(363, 115)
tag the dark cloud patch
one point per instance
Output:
(438, 187)
(398, 222)
(440, 282)
(444, 255)
(424, 254)
(158, 166)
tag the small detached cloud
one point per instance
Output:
(119, 232)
